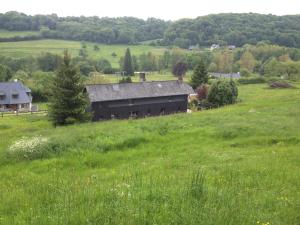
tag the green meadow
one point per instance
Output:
(236, 165)
(36, 47)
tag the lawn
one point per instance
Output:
(34, 48)
(236, 165)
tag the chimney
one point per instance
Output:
(180, 78)
(142, 76)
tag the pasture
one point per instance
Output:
(34, 48)
(234, 165)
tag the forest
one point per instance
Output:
(223, 29)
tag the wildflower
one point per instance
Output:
(27, 145)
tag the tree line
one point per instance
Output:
(223, 29)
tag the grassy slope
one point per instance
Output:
(28, 48)
(150, 171)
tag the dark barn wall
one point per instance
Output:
(123, 109)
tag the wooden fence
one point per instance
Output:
(20, 113)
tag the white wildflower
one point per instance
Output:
(28, 145)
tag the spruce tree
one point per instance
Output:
(127, 65)
(67, 100)
(199, 76)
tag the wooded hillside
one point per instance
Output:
(231, 29)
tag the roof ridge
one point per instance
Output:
(153, 81)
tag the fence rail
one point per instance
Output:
(20, 113)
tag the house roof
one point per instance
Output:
(110, 92)
(8, 89)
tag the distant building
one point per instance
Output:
(140, 99)
(14, 96)
(214, 46)
(194, 47)
(231, 47)
(142, 75)
(226, 75)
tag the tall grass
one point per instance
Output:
(234, 165)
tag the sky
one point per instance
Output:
(163, 9)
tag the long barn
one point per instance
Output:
(108, 101)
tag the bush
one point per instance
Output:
(125, 80)
(280, 84)
(245, 72)
(252, 80)
(202, 92)
(222, 92)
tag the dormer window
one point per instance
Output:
(15, 94)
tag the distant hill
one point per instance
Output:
(233, 29)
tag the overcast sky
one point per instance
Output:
(164, 9)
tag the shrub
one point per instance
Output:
(252, 80)
(222, 92)
(280, 84)
(245, 72)
(125, 80)
(202, 92)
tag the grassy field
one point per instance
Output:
(34, 48)
(236, 165)
(154, 76)
(8, 34)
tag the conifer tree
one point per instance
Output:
(67, 100)
(199, 76)
(127, 65)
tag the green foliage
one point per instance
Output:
(148, 62)
(252, 80)
(247, 61)
(222, 92)
(127, 63)
(48, 62)
(236, 29)
(164, 60)
(125, 80)
(5, 73)
(68, 102)
(179, 69)
(245, 72)
(83, 53)
(86, 67)
(200, 75)
(272, 68)
(103, 65)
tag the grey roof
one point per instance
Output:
(110, 92)
(226, 75)
(8, 89)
